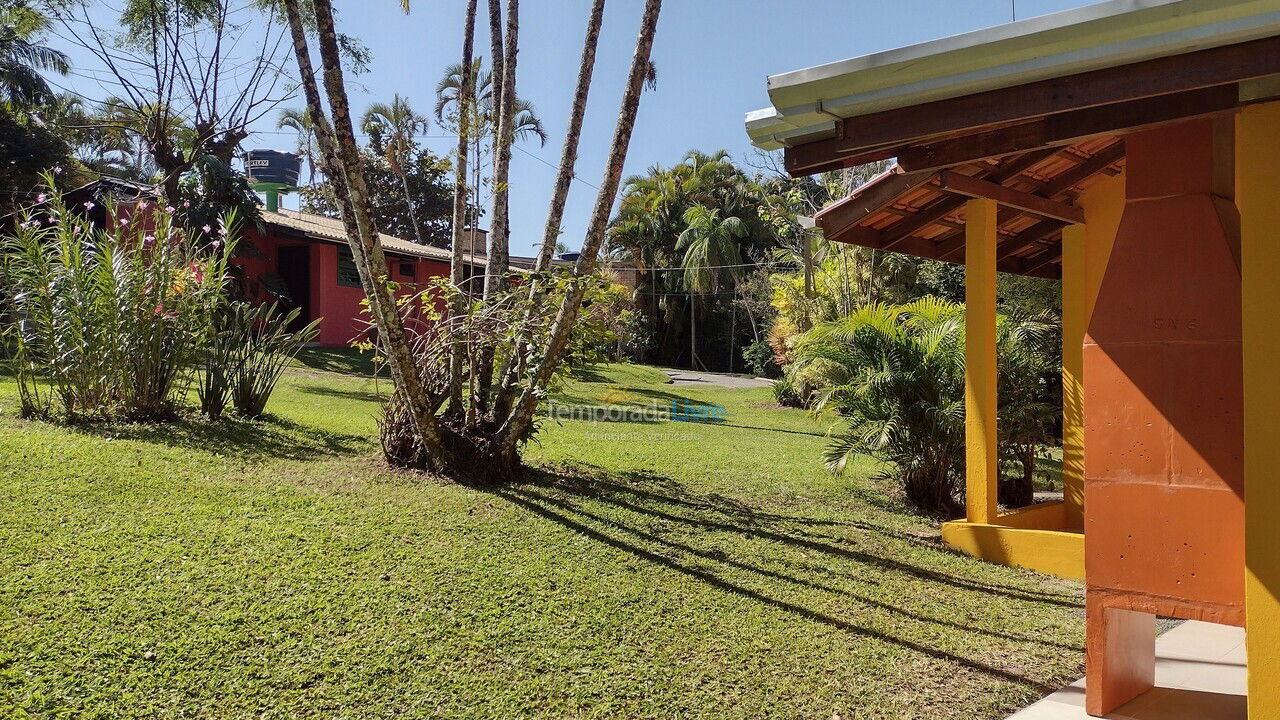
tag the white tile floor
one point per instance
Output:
(1200, 675)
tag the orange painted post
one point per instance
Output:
(1258, 197)
(981, 453)
(1164, 422)
(1074, 319)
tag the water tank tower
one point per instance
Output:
(272, 172)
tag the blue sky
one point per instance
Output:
(712, 55)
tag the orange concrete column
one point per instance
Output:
(1258, 197)
(981, 453)
(1074, 320)
(1164, 430)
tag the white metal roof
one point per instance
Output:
(806, 102)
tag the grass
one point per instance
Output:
(647, 570)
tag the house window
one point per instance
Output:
(348, 275)
(407, 270)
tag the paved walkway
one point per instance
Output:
(1200, 675)
(709, 379)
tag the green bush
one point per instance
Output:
(265, 349)
(103, 322)
(895, 374)
(759, 359)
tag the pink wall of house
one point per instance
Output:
(338, 305)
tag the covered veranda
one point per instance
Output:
(1131, 149)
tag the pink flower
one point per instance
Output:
(222, 231)
(217, 244)
(149, 240)
(41, 198)
(89, 205)
(171, 209)
(124, 221)
(206, 229)
(142, 204)
(57, 170)
(159, 310)
(186, 203)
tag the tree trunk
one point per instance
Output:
(516, 427)
(569, 155)
(408, 198)
(343, 167)
(560, 195)
(499, 264)
(693, 334)
(458, 262)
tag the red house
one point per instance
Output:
(302, 260)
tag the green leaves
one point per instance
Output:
(895, 375)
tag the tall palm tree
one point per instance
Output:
(397, 124)
(481, 120)
(516, 428)
(710, 245)
(300, 122)
(22, 58)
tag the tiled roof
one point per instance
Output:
(331, 229)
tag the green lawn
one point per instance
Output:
(648, 570)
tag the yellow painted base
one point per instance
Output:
(1032, 538)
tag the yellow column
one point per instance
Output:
(981, 453)
(1258, 197)
(1074, 321)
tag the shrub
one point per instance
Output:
(896, 375)
(266, 347)
(784, 392)
(759, 359)
(105, 321)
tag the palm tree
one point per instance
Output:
(480, 120)
(710, 245)
(515, 429)
(22, 59)
(300, 122)
(396, 125)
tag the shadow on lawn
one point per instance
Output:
(362, 395)
(348, 361)
(258, 440)
(641, 513)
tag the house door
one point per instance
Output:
(295, 271)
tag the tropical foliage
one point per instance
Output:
(427, 176)
(106, 322)
(23, 58)
(895, 376)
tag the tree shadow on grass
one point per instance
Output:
(348, 361)
(251, 440)
(327, 391)
(642, 521)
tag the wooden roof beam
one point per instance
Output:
(984, 110)
(845, 214)
(1069, 128)
(940, 208)
(1027, 238)
(972, 187)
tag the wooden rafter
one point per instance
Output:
(947, 204)
(842, 217)
(971, 187)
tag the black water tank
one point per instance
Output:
(272, 166)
